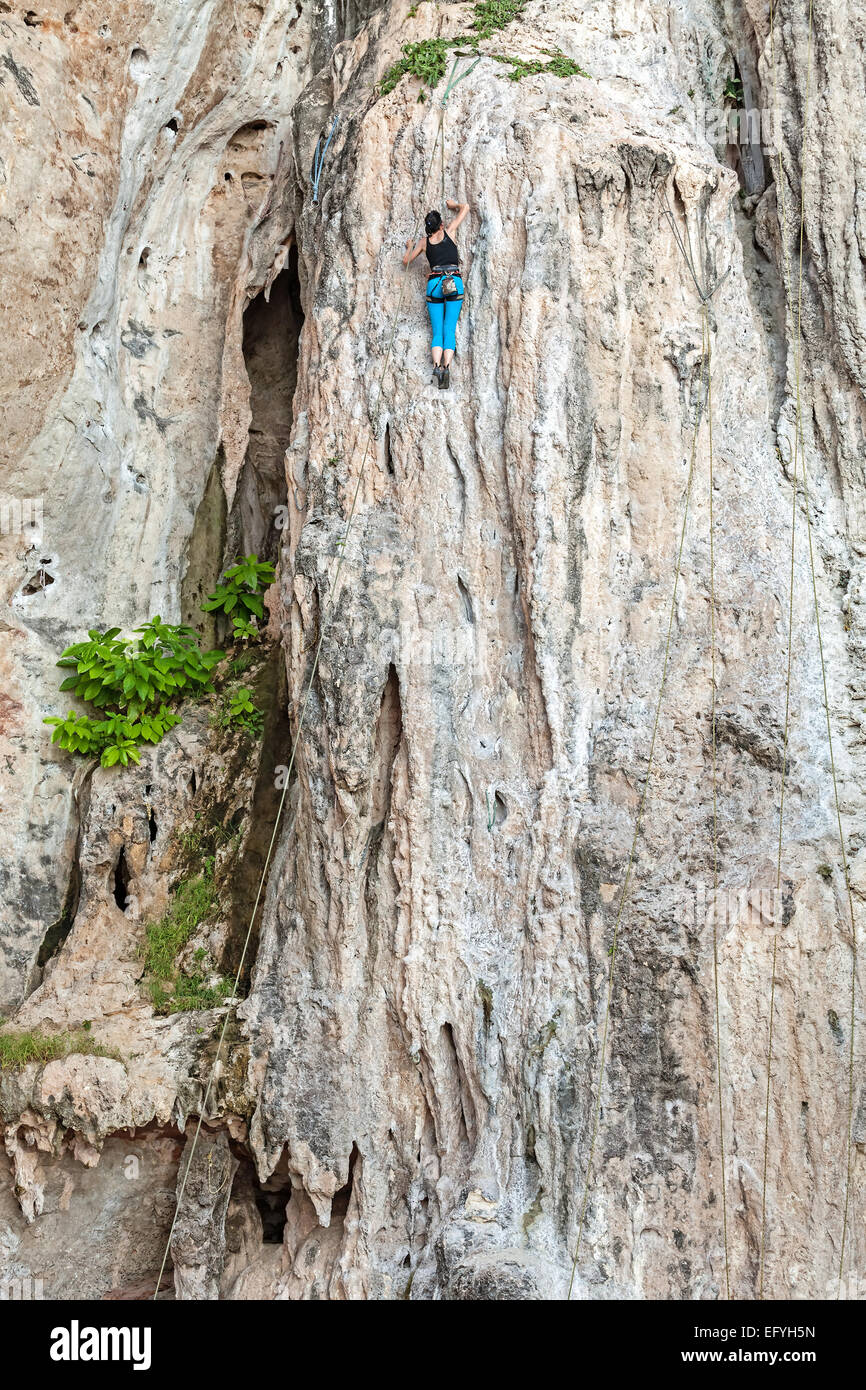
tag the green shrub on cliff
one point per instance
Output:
(428, 58)
(133, 681)
(171, 989)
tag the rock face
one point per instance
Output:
(201, 363)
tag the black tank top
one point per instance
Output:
(445, 253)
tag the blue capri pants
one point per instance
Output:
(444, 316)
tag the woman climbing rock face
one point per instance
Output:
(444, 285)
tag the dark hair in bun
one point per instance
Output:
(432, 222)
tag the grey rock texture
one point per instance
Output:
(405, 1106)
(204, 1185)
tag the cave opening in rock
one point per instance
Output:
(389, 459)
(121, 881)
(271, 1198)
(342, 1197)
(272, 332)
(59, 930)
(271, 1206)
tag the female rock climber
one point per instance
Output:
(443, 305)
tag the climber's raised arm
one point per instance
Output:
(462, 210)
(410, 254)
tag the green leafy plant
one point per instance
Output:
(733, 91)
(239, 592)
(131, 680)
(18, 1047)
(240, 710)
(244, 630)
(171, 989)
(427, 59)
(560, 65)
(491, 15)
(129, 675)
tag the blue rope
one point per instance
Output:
(454, 79)
(319, 158)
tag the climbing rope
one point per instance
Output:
(704, 400)
(319, 158)
(706, 327)
(786, 734)
(453, 81)
(800, 460)
(705, 300)
(333, 591)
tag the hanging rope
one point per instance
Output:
(703, 402)
(453, 82)
(319, 158)
(800, 461)
(780, 183)
(724, 1185)
(333, 591)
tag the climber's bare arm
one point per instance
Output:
(462, 210)
(410, 254)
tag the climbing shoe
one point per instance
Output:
(445, 379)
(437, 374)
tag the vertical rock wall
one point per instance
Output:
(417, 1060)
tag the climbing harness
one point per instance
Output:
(447, 285)
(330, 604)
(319, 157)
(800, 461)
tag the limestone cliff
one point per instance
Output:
(192, 361)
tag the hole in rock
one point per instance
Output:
(500, 810)
(32, 20)
(272, 331)
(467, 600)
(151, 825)
(343, 1197)
(37, 582)
(138, 65)
(451, 1058)
(59, 930)
(171, 126)
(248, 136)
(271, 1205)
(193, 785)
(389, 732)
(389, 462)
(122, 880)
